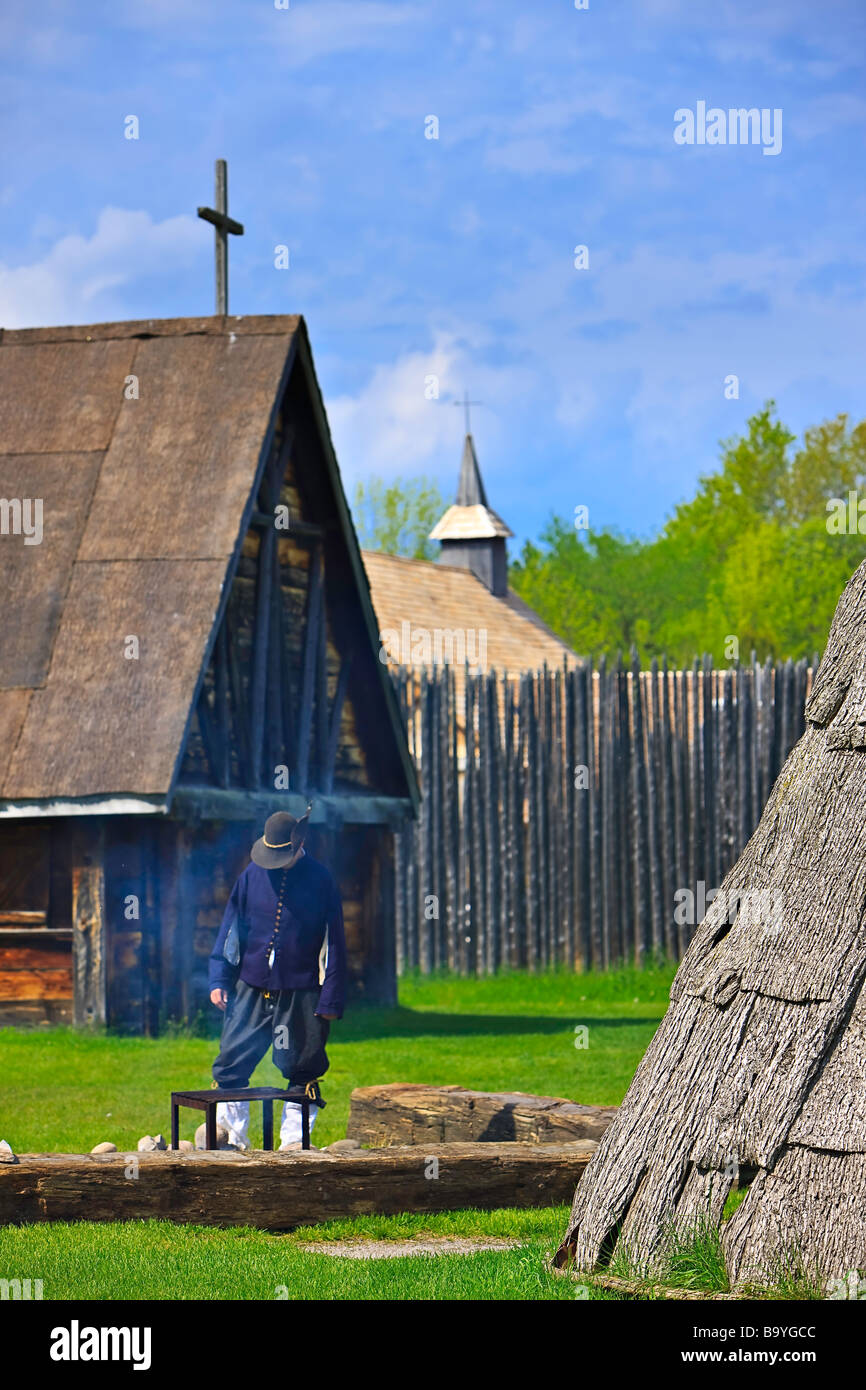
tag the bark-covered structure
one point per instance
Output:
(188, 645)
(757, 1073)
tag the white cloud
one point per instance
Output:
(687, 322)
(390, 428)
(643, 340)
(75, 282)
(323, 27)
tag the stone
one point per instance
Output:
(186, 1146)
(105, 1148)
(222, 1137)
(344, 1146)
(6, 1154)
(150, 1143)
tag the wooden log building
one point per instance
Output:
(187, 644)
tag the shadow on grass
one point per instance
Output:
(363, 1022)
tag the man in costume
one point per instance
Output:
(278, 970)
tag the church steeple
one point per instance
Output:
(471, 534)
(470, 489)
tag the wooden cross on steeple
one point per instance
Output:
(223, 225)
(466, 403)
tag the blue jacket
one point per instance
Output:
(310, 949)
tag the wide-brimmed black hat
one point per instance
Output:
(283, 838)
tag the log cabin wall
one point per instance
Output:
(141, 881)
(35, 922)
(166, 884)
(361, 857)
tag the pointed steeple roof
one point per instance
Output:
(471, 518)
(470, 489)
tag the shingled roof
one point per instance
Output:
(145, 501)
(439, 597)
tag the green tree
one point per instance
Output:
(587, 591)
(780, 586)
(831, 463)
(749, 556)
(397, 517)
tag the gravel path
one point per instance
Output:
(393, 1249)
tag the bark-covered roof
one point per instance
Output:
(144, 443)
(758, 1070)
(142, 440)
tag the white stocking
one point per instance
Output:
(290, 1126)
(235, 1115)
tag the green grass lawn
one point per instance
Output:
(157, 1260)
(65, 1091)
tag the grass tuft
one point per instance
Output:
(692, 1258)
(791, 1278)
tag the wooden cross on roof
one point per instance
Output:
(223, 225)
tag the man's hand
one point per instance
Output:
(219, 997)
(330, 1017)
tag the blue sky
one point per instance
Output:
(454, 257)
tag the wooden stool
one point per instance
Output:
(304, 1096)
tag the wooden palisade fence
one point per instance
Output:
(565, 812)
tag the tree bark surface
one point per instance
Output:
(758, 1071)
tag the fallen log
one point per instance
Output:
(278, 1191)
(400, 1113)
